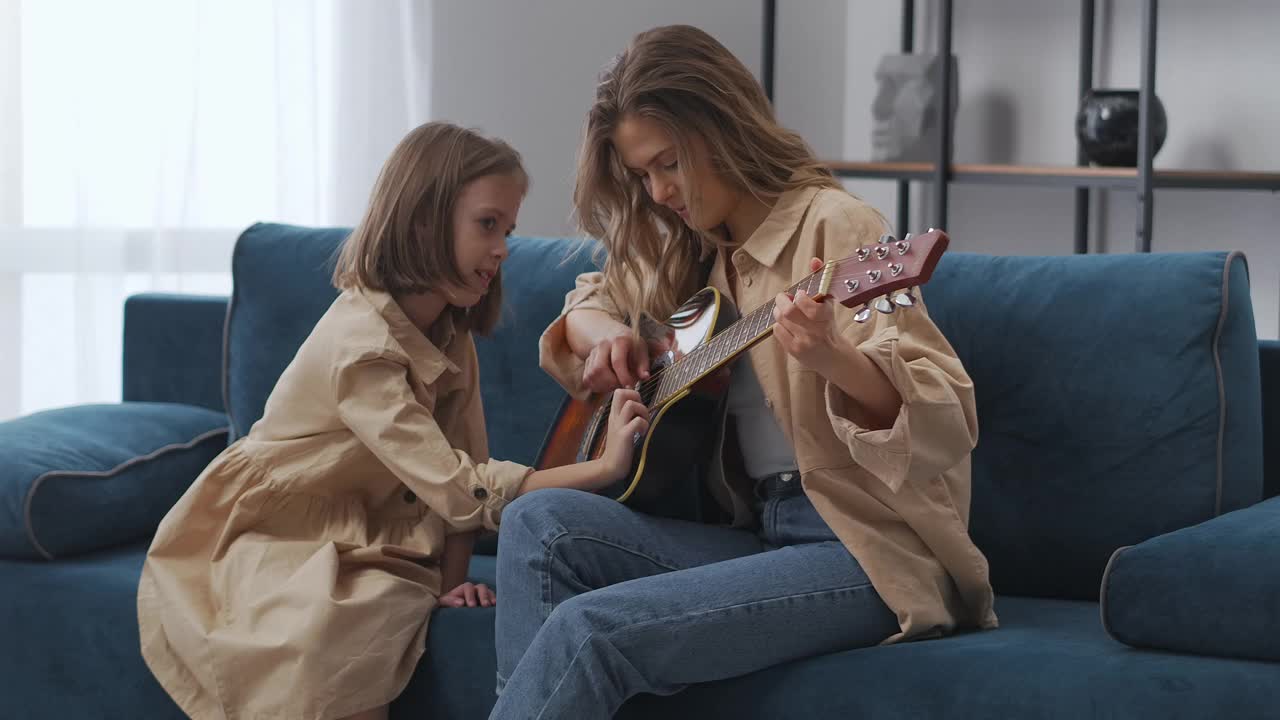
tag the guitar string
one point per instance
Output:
(653, 380)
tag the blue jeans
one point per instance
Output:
(598, 603)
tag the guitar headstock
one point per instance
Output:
(882, 275)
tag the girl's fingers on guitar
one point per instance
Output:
(636, 426)
(622, 400)
(815, 264)
(634, 408)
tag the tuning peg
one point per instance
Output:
(904, 299)
(908, 236)
(882, 252)
(932, 229)
(863, 314)
(884, 239)
(864, 252)
(903, 246)
(883, 305)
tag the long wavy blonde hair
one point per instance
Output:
(688, 83)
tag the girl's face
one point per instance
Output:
(483, 217)
(649, 151)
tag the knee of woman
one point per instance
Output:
(588, 613)
(541, 513)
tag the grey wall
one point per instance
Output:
(525, 71)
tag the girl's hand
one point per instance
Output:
(469, 595)
(806, 329)
(628, 419)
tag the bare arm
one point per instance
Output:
(456, 560)
(587, 328)
(627, 417)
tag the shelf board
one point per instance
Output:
(1062, 175)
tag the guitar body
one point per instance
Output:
(689, 382)
(674, 454)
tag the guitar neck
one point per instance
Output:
(724, 346)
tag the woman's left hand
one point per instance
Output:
(806, 328)
(469, 595)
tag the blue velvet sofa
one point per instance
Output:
(1119, 494)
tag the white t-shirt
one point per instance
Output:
(765, 450)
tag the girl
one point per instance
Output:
(296, 577)
(848, 512)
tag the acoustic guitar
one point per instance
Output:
(684, 391)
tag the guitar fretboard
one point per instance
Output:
(723, 346)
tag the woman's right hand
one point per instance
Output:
(628, 419)
(617, 362)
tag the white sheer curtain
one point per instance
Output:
(138, 137)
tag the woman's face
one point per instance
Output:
(649, 152)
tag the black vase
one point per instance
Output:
(1107, 126)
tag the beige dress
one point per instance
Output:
(296, 577)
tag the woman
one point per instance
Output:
(850, 507)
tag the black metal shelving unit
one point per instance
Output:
(1142, 179)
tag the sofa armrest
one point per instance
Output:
(1269, 364)
(173, 349)
(1210, 589)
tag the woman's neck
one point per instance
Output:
(422, 309)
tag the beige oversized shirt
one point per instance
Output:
(296, 576)
(897, 498)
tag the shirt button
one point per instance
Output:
(768, 403)
(479, 493)
(409, 497)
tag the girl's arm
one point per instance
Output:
(456, 560)
(455, 591)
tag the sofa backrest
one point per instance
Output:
(1118, 395)
(1118, 398)
(282, 287)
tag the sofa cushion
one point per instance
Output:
(71, 646)
(1118, 399)
(92, 476)
(272, 312)
(74, 637)
(1211, 589)
(1049, 660)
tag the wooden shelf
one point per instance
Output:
(1062, 175)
